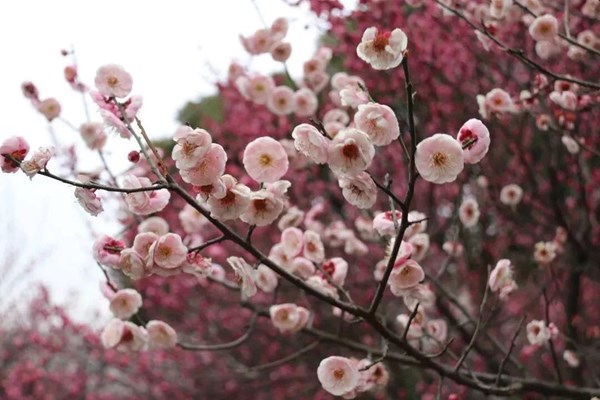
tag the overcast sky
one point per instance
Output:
(175, 52)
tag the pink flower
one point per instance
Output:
(305, 102)
(538, 333)
(113, 81)
(511, 195)
(191, 220)
(359, 190)
(350, 153)
(265, 159)
(544, 28)
(90, 202)
(310, 142)
(571, 358)
(264, 208)
(161, 335)
(570, 143)
(420, 243)
(208, 169)
(167, 252)
(474, 138)
(314, 65)
(379, 122)
(382, 49)
(302, 267)
(439, 158)
(234, 203)
(421, 294)
(124, 336)
(49, 108)
(313, 246)
(499, 8)
(321, 285)
(383, 223)
(498, 101)
(415, 330)
(192, 145)
(468, 213)
(125, 303)
(565, 99)
(257, 89)
(30, 91)
(405, 275)
(281, 51)
(38, 161)
(93, 135)
(501, 279)
(281, 101)
(107, 251)
(338, 375)
(146, 202)
(279, 28)
(545, 252)
(292, 217)
(131, 262)
(336, 269)
(156, 225)
(292, 240)
(288, 317)
(353, 96)
(16, 147)
(265, 278)
(244, 274)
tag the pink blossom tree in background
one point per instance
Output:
(414, 217)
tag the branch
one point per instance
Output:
(224, 346)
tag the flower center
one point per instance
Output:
(260, 205)
(338, 373)
(439, 159)
(265, 160)
(329, 267)
(381, 40)
(350, 151)
(112, 81)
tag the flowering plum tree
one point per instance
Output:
(422, 205)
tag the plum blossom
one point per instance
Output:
(125, 303)
(501, 279)
(350, 152)
(302, 267)
(192, 145)
(511, 195)
(570, 143)
(439, 158)
(499, 8)
(265, 278)
(338, 375)
(93, 135)
(144, 202)
(265, 159)
(383, 223)
(281, 101)
(496, 101)
(244, 274)
(156, 225)
(336, 269)
(281, 51)
(208, 169)
(474, 138)
(313, 246)
(233, 203)
(545, 252)
(160, 335)
(89, 201)
(321, 285)
(359, 190)
(353, 96)
(310, 142)
(420, 243)
(132, 264)
(106, 251)
(571, 358)
(405, 275)
(288, 317)
(113, 81)
(168, 251)
(453, 249)
(379, 122)
(468, 212)
(415, 330)
(124, 336)
(257, 89)
(538, 333)
(264, 207)
(49, 108)
(544, 28)
(38, 161)
(292, 240)
(382, 49)
(305, 102)
(16, 147)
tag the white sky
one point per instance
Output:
(171, 49)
